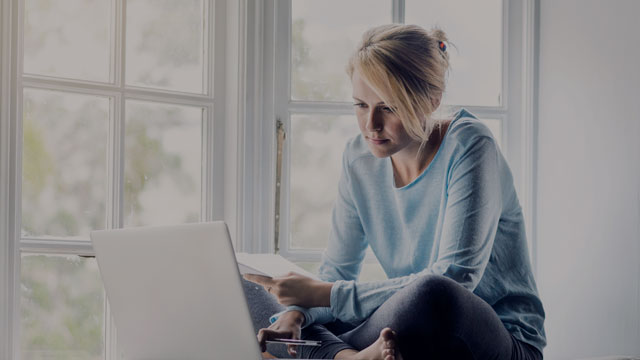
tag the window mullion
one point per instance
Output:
(115, 169)
(60, 246)
(505, 66)
(9, 255)
(205, 161)
(16, 118)
(397, 11)
(115, 162)
(120, 49)
(282, 96)
(113, 41)
(206, 53)
(213, 142)
(104, 88)
(114, 202)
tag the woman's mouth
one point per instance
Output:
(378, 141)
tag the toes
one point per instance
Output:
(388, 338)
(387, 343)
(387, 334)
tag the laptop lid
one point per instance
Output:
(175, 292)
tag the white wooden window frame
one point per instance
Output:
(267, 75)
(12, 83)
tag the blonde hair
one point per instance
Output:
(406, 66)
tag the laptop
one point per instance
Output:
(175, 292)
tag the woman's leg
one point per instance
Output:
(436, 318)
(331, 344)
(262, 305)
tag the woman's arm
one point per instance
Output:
(474, 206)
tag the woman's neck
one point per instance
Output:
(409, 163)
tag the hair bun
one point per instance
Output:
(440, 38)
(438, 35)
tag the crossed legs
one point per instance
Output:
(434, 317)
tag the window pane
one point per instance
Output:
(64, 163)
(68, 38)
(495, 125)
(475, 28)
(165, 44)
(324, 33)
(62, 308)
(163, 163)
(317, 143)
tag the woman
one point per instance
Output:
(435, 200)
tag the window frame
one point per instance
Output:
(12, 84)
(271, 45)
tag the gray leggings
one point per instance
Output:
(434, 317)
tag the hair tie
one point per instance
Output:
(442, 46)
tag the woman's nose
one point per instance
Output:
(374, 121)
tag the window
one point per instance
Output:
(113, 114)
(308, 45)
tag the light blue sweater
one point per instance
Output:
(460, 218)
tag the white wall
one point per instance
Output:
(588, 195)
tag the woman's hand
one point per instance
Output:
(295, 289)
(288, 326)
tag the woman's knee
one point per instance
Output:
(436, 300)
(437, 289)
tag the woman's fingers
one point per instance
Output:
(294, 289)
(292, 350)
(288, 326)
(268, 283)
(259, 279)
(262, 341)
(263, 336)
(273, 286)
(269, 334)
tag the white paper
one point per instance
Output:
(268, 265)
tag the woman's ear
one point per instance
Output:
(436, 102)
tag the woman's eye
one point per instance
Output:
(387, 109)
(360, 105)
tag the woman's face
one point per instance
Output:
(381, 128)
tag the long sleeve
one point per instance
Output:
(471, 215)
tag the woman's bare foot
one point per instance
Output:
(382, 349)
